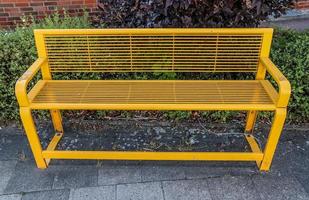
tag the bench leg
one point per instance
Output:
(57, 120)
(250, 122)
(273, 138)
(33, 138)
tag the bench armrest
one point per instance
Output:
(23, 81)
(282, 81)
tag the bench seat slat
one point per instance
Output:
(135, 94)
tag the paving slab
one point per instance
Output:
(162, 172)
(74, 176)
(279, 187)
(199, 172)
(115, 174)
(186, 190)
(6, 171)
(94, 193)
(297, 24)
(47, 195)
(140, 191)
(292, 158)
(244, 170)
(27, 178)
(304, 180)
(14, 147)
(10, 197)
(233, 188)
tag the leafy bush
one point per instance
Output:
(290, 52)
(190, 13)
(18, 52)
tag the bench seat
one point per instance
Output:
(154, 94)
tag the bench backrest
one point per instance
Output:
(149, 50)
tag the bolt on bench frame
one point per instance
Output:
(93, 45)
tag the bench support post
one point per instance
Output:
(260, 75)
(33, 138)
(273, 138)
(250, 121)
(57, 120)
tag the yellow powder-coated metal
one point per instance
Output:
(154, 95)
(153, 50)
(131, 155)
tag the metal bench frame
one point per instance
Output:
(263, 158)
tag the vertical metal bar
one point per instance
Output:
(89, 57)
(173, 58)
(261, 72)
(29, 126)
(266, 43)
(250, 120)
(57, 120)
(264, 52)
(216, 55)
(42, 53)
(273, 138)
(131, 53)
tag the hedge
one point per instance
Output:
(18, 52)
(290, 52)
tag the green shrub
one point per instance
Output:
(18, 52)
(290, 52)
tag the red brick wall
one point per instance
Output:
(12, 10)
(302, 4)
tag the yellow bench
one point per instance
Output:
(153, 50)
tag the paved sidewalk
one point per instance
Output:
(294, 19)
(122, 180)
(296, 24)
